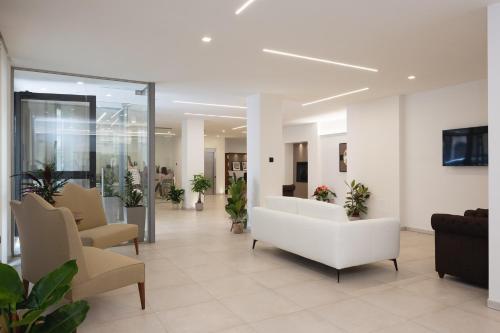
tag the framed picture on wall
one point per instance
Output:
(236, 166)
(342, 157)
(244, 166)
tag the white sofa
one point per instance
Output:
(322, 232)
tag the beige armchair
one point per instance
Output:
(49, 238)
(93, 227)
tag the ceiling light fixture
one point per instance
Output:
(336, 96)
(108, 95)
(210, 104)
(101, 117)
(325, 61)
(239, 127)
(206, 39)
(79, 83)
(412, 77)
(243, 7)
(212, 115)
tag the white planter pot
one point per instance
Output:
(137, 216)
(112, 208)
(199, 206)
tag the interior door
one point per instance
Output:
(210, 169)
(56, 128)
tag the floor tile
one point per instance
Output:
(457, 321)
(313, 293)
(173, 297)
(232, 285)
(297, 322)
(279, 277)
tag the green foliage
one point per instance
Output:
(323, 193)
(47, 292)
(176, 195)
(132, 196)
(237, 201)
(199, 184)
(109, 178)
(356, 199)
(46, 182)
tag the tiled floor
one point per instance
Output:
(202, 278)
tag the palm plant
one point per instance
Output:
(236, 203)
(109, 178)
(356, 199)
(176, 195)
(132, 196)
(46, 182)
(22, 313)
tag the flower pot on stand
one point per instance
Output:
(237, 228)
(137, 216)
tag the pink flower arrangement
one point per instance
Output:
(323, 193)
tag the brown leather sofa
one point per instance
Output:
(462, 245)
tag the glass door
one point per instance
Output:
(59, 129)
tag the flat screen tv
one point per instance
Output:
(301, 176)
(465, 146)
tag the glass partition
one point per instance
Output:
(94, 130)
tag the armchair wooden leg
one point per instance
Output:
(26, 285)
(253, 246)
(136, 243)
(142, 294)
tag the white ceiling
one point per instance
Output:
(442, 42)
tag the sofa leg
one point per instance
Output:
(136, 244)
(142, 294)
(253, 246)
(395, 261)
(441, 275)
(26, 285)
(338, 275)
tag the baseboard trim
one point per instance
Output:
(421, 231)
(493, 305)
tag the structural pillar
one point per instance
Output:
(494, 154)
(193, 156)
(265, 149)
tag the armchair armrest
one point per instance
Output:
(461, 225)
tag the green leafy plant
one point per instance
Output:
(176, 195)
(356, 199)
(47, 182)
(200, 184)
(109, 179)
(323, 193)
(28, 314)
(132, 196)
(237, 201)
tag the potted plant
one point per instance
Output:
(236, 205)
(356, 199)
(46, 182)
(22, 313)
(110, 201)
(199, 184)
(176, 195)
(323, 193)
(132, 200)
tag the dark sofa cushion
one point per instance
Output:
(461, 225)
(480, 212)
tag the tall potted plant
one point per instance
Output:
(110, 201)
(236, 205)
(47, 182)
(134, 210)
(176, 195)
(22, 313)
(200, 184)
(357, 196)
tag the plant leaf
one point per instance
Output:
(64, 320)
(11, 287)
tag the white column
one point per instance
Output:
(193, 156)
(265, 148)
(494, 153)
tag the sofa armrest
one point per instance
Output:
(461, 225)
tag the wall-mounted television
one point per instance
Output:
(301, 172)
(465, 146)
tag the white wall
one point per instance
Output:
(5, 152)
(219, 144)
(236, 145)
(494, 153)
(427, 186)
(330, 174)
(193, 156)
(373, 153)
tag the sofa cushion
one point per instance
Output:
(321, 210)
(109, 235)
(282, 204)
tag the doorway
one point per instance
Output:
(210, 168)
(300, 169)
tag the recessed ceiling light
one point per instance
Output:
(223, 131)
(210, 104)
(206, 39)
(412, 77)
(43, 89)
(243, 7)
(326, 61)
(108, 95)
(212, 115)
(336, 96)
(79, 82)
(239, 127)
